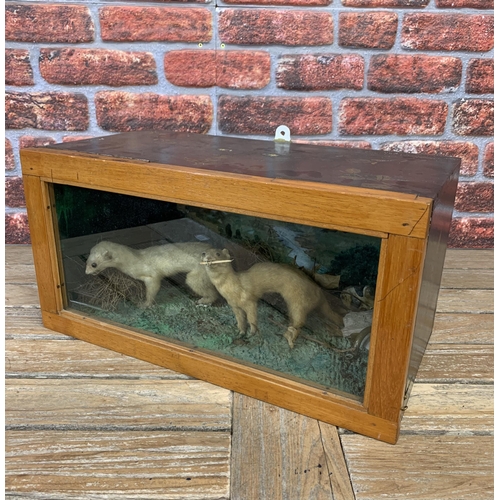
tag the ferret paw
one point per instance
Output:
(204, 301)
(290, 335)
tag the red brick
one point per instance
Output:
(465, 4)
(10, 162)
(124, 112)
(471, 232)
(231, 69)
(16, 229)
(466, 151)
(243, 69)
(473, 117)
(155, 24)
(46, 110)
(488, 160)
(474, 197)
(479, 79)
(371, 30)
(385, 3)
(30, 141)
(473, 33)
(414, 74)
(320, 72)
(282, 27)
(70, 66)
(400, 116)
(14, 192)
(305, 3)
(191, 68)
(18, 70)
(262, 115)
(48, 23)
(337, 144)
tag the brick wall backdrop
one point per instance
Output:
(398, 75)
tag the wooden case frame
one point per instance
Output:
(413, 230)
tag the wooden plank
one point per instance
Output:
(40, 358)
(449, 408)
(27, 323)
(421, 467)
(20, 273)
(465, 279)
(116, 404)
(18, 254)
(457, 363)
(20, 295)
(469, 301)
(457, 328)
(154, 465)
(337, 467)
(276, 454)
(469, 259)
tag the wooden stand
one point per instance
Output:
(406, 200)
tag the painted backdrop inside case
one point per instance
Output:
(290, 298)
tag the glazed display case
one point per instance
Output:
(305, 276)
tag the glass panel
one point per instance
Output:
(291, 298)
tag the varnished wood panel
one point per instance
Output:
(302, 202)
(394, 317)
(285, 392)
(39, 209)
(374, 169)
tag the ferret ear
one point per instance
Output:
(107, 255)
(226, 253)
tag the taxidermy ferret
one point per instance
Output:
(152, 264)
(243, 290)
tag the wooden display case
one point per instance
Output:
(328, 212)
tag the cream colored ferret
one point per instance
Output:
(243, 290)
(152, 264)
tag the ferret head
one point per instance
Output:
(100, 258)
(213, 256)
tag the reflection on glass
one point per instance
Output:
(290, 298)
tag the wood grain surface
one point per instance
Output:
(87, 423)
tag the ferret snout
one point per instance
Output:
(91, 268)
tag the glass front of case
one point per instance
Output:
(289, 298)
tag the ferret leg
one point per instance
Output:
(240, 319)
(200, 283)
(152, 288)
(251, 310)
(297, 321)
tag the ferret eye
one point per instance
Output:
(94, 265)
(203, 254)
(218, 254)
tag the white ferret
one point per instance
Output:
(152, 264)
(243, 290)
